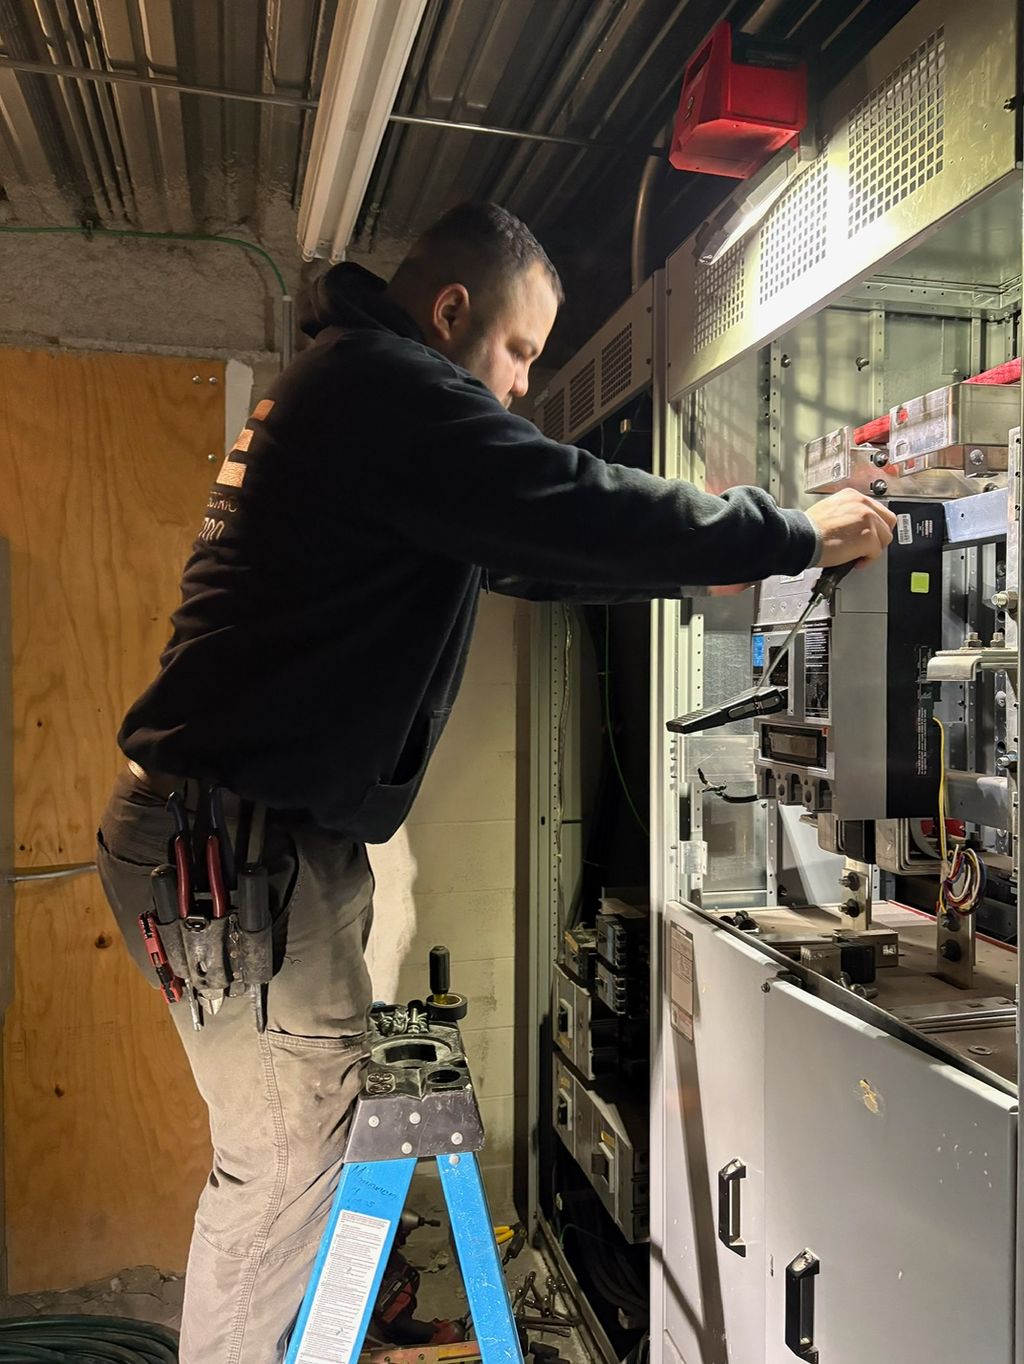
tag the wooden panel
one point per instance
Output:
(104, 470)
(104, 474)
(106, 1143)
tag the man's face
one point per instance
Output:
(500, 348)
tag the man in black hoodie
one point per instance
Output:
(325, 618)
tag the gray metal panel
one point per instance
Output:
(976, 77)
(613, 366)
(929, 1185)
(555, 850)
(712, 1114)
(726, 426)
(823, 384)
(976, 520)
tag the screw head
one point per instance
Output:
(879, 488)
(406, 1148)
(414, 1118)
(951, 951)
(456, 1138)
(976, 457)
(197, 378)
(374, 1121)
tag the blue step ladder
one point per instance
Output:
(417, 1102)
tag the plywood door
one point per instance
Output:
(104, 466)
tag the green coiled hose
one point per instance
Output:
(91, 1340)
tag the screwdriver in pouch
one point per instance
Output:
(219, 901)
(163, 883)
(170, 984)
(203, 946)
(254, 921)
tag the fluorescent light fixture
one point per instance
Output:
(746, 207)
(370, 46)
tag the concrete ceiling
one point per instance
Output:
(161, 158)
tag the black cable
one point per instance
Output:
(88, 1340)
(721, 791)
(598, 1256)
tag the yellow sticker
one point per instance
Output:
(921, 582)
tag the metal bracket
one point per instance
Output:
(417, 1098)
(963, 665)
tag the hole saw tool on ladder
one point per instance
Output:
(417, 1102)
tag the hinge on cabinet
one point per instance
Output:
(693, 858)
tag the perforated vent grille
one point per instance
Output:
(617, 365)
(719, 297)
(896, 134)
(795, 233)
(552, 416)
(581, 395)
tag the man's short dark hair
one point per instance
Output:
(480, 245)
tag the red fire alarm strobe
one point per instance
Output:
(741, 103)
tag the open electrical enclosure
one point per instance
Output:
(834, 887)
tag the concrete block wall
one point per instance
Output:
(450, 877)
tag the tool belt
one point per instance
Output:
(209, 933)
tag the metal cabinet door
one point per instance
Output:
(890, 1197)
(711, 1180)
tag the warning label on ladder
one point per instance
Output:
(342, 1296)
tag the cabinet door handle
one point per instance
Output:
(800, 1276)
(729, 1178)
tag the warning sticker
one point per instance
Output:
(681, 981)
(904, 529)
(342, 1296)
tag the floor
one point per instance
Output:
(144, 1294)
(441, 1294)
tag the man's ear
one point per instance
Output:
(451, 307)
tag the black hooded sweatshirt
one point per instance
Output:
(329, 600)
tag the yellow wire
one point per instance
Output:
(942, 793)
(942, 814)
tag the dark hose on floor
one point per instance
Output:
(91, 1340)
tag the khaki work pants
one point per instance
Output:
(279, 1103)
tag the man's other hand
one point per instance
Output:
(852, 526)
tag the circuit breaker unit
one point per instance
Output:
(856, 738)
(606, 1136)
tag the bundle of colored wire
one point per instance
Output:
(963, 885)
(963, 872)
